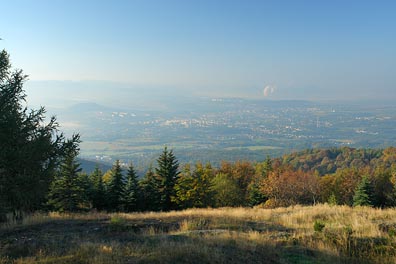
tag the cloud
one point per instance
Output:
(268, 90)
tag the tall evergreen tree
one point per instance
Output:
(98, 195)
(66, 192)
(115, 188)
(131, 192)
(150, 195)
(255, 196)
(87, 187)
(30, 149)
(168, 174)
(363, 193)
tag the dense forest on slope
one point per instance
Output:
(327, 161)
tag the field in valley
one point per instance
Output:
(311, 234)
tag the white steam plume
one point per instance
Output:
(268, 90)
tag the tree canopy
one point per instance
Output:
(67, 192)
(31, 147)
(167, 173)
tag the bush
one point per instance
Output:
(273, 203)
(332, 200)
(319, 226)
(117, 223)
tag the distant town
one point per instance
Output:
(231, 129)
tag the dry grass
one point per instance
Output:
(225, 235)
(41, 218)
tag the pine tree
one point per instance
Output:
(66, 193)
(149, 199)
(131, 192)
(98, 196)
(86, 186)
(31, 150)
(255, 195)
(168, 174)
(363, 193)
(115, 188)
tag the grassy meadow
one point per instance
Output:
(299, 234)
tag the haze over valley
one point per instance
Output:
(135, 124)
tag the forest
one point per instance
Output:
(361, 177)
(39, 171)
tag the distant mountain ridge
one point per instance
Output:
(90, 107)
(88, 166)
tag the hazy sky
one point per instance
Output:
(279, 49)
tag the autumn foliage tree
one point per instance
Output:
(345, 182)
(291, 187)
(193, 187)
(242, 172)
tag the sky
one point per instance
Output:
(314, 50)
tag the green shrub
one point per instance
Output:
(332, 199)
(115, 220)
(319, 226)
(117, 223)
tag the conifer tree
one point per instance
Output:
(98, 196)
(86, 185)
(255, 194)
(167, 172)
(150, 196)
(31, 150)
(363, 193)
(66, 193)
(115, 188)
(131, 192)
